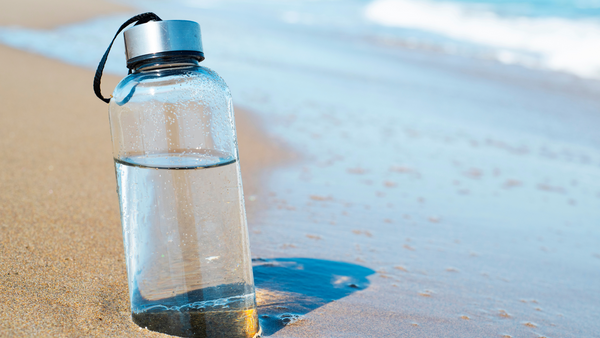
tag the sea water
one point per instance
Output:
(186, 241)
(549, 34)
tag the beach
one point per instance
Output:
(390, 191)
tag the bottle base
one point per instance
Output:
(201, 324)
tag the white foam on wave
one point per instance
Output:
(81, 44)
(560, 44)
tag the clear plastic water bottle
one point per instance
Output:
(180, 189)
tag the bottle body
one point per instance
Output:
(182, 211)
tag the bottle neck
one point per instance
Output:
(165, 62)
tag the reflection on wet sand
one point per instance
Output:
(288, 288)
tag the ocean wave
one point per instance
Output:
(560, 44)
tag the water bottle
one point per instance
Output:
(179, 186)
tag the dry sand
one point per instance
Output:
(62, 268)
(48, 14)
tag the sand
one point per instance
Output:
(62, 268)
(48, 14)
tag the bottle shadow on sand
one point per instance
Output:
(288, 288)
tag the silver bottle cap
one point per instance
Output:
(159, 38)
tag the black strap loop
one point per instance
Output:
(138, 19)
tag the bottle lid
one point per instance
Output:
(156, 39)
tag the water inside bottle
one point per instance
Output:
(222, 318)
(186, 244)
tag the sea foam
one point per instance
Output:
(561, 44)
